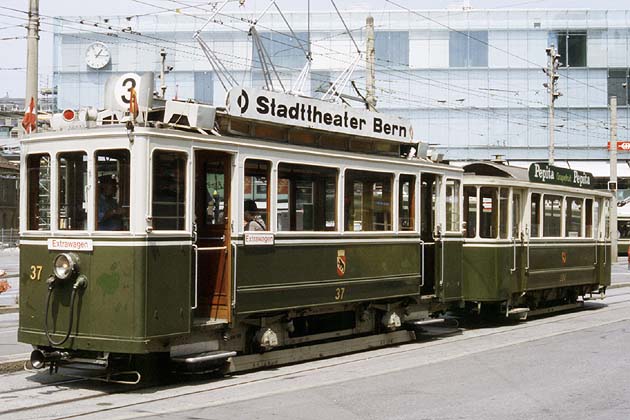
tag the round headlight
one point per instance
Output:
(65, 265)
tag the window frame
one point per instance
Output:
(274, 196)
(95, 191)
(188, 181)
(88, 196)
(392, 206)
(51, 185)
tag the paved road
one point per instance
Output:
(564, 367)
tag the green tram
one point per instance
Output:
(532, 246)
(136, 240)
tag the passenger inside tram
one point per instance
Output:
(110, 213)
(253, 221)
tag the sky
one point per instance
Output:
(13, 15)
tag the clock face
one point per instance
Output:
(97, 55)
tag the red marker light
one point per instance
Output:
(68, 114)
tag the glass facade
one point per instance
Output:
(470, 81)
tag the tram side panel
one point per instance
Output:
(298, 276)
(566, 264)
(487, 274)
(108, 314)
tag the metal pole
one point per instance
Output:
(613, 176)
(32, 53)
(370, 57)
(552, 99)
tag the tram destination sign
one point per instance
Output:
(547, 174)
(286, 109)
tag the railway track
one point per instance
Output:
(29, 395)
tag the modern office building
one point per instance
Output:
(470, 80)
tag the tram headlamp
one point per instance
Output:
(65, 265)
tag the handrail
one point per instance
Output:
(422, 263)
(196, 250)
(212, 248)
(528, 244)
(513, 269)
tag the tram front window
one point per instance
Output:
(71, 188)
(112, 204)
(169, 190)
(38, 187)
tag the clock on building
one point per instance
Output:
(97, 55)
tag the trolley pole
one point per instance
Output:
(552, 72)
(32, 53)
(370, 56)
(612, 185)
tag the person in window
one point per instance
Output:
(110, 214)
(253, 221)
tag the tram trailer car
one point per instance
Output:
(533, 245)
(206, 248)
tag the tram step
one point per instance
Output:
(199, 361)
(438, 327)
(518, 313)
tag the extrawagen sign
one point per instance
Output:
(282, 108)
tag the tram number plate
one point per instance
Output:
(35, 272)
(339, 292)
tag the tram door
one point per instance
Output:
(211, 250)
(519, 240)
(429, 187)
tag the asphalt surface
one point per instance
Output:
(568, 366)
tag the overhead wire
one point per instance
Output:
(290, 69)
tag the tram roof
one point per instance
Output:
(497, 169)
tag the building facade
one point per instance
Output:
(469, 80)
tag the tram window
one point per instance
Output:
(535, 214)
(504, 228)
(488, 219)
(592, 218)
(406, 202)
(211, 192)
(256, 190)
(606, 215)
(72, 186)
(573, 217)
(367, 201)
(470, 211)
(429, 186)
(552, 215)
(38, 169)
(112, 204)
(452, 205)
(306, 198)
(623, 226)
(168, 207)
(516, 214)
